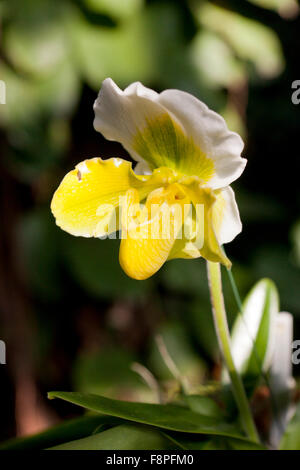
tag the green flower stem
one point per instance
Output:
(222, 330)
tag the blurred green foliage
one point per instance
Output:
(91, 321)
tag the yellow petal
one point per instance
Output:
(146, 246)
(187, 247)
(85, 202)
(209, 225)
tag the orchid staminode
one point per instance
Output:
(185, 155)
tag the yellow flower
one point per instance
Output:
(186, 159)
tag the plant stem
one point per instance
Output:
(222, 330)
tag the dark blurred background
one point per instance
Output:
(69, 316)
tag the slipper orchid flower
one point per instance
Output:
(185, 155)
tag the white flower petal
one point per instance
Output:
(142, 168)
(120, 114)
(226, 216)
(170, 129)
(210, 132)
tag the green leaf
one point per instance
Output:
(291, 437)
(204, 405)
(123, 437)
(71, 429)
(189, 442)
(171, 417)
(252, 333)
(220, 443)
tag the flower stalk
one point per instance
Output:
(222, 330)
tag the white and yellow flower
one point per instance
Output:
(185, 155)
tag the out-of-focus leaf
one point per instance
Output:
(286, 8)
(36, 56)
(185, 277)
(238, 444)
(251, 40)
(189, 278)
(295, 236)
(123, 437)
(122, 53)
(37, 42)
(119, 9)
(29, 101)
(189, 442)
(203, 405)
(234, 120)
(199, 315)
(291, 437)
(169, 48)
(180, 349)
(18, 90)
(64, 432)
(38, 240)
(26, 161)
(39, 72)
(131, 51)
(253, 331)
(96, 373)
(57, 94)
(275, 261)
(231, 444)
(95, 265)
(171, 417)
(269, 210)
(215, 61)
(35, 117)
